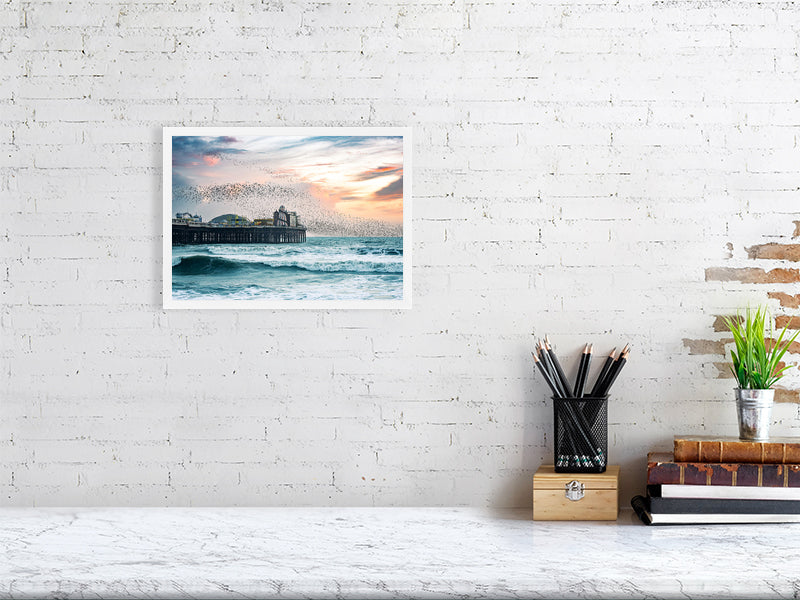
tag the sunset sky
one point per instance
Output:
(357, 176)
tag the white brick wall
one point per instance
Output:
(577, 167)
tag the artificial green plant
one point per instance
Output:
(755, 362)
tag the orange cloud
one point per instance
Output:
(211, 160)
(382, 171)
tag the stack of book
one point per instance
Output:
(722, 480)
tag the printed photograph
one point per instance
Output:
(287, 218)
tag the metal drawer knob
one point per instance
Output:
(573, 490)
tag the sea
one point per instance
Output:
(321, 268)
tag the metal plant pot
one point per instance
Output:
(754, 408)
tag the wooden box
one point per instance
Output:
(575, 496)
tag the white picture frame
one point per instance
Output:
(234, 260)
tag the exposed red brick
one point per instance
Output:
(781, 321)
(705, 346)
(775, 252)
(788, 321)
(794, 347)
(783, 395)
(753, 275)
(723, 370)
(786, 300)
(796, 229)
(719, 322)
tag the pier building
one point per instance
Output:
(283, 228)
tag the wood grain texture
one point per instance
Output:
(547, 478)
(599, 503)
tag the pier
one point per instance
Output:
(283, 228)
(195, 233)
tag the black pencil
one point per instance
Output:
(582, 439)
(547, 360)
(614, 373)
(577, 453)
(547, 364)
(604, 386)
(581, 364)
(570, 440)
(545, 374)
(559, 370)
(602, 375)
(539, 354)
(583, 371)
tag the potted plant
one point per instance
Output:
(755, 367)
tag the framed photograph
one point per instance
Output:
(309, 218)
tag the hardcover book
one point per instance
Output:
(662, 468)
(740, 492)
(733, 450)
(722, 506)
(640, 505)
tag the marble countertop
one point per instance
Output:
(383, 553)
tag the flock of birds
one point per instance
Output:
(259, 200)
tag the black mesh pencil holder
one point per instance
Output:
(581, 435)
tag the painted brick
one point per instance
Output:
(40, 15)
(604, 173)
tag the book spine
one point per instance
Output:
(718, 451)
(639, 505)
(721, 506)
(730, 474)
(733, 492)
